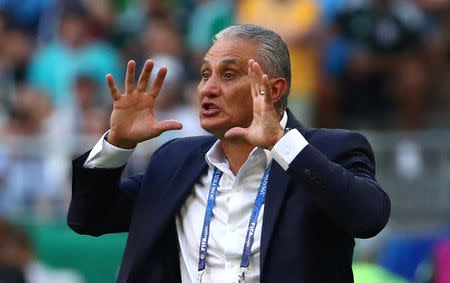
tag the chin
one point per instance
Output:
(216, 129)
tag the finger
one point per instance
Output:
(251, 79)
(267, 89)
(168, 125)
(257, 69)
(257, 78)
(129, 77)
(157, 83)
(264, 83)
(145, 75)
(236, 132)
(113, 90)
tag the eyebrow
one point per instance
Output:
(230, 61)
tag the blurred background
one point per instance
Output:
(381, 67)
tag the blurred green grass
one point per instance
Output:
(97, 259)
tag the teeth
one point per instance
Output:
(209, 107)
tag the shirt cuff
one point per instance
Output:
(106, 155)
(288, 147)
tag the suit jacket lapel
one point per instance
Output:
(150, 221)
(277, 187)
(156, 217)
(180, 187)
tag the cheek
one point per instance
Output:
(198, 92)
(243, 104)
(245, 99)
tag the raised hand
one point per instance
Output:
(133, 118)
(265, 129)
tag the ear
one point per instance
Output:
(279, 87)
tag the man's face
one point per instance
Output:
(224, 89)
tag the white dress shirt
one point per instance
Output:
(231, 213)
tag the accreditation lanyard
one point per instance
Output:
(259, 201)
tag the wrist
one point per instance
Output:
(121, 143)
(278, 136)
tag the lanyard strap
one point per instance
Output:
(259, 201)
(254, 219)
(208, 214)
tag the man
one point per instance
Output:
(262, 200)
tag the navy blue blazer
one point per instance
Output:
(313, 211)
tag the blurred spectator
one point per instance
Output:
(27, 113)
(86, 116)
(445, 25)
(30, 183)
(15, 53)
(101, 18)
(329, 9)
(55, 67)
(438, 59)
(157, 9)
(161, 38)
(376, 71)
(208, 18)
(129, 23)
(11, 255)
(17, 255)
(135, 15)
(27, 16)
(297, 22)
(441, 7)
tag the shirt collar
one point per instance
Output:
(283, 121)
(215, 157)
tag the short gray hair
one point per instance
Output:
(273, 53)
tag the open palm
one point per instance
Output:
(133, 118)
(265, 129)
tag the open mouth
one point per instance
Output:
(209, 108)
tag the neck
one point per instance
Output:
(237, 152)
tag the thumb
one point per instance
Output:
(168, 125)
(236, 132)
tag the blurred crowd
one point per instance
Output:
(20, 264)
(377, 64)
(381, 64)
(365, 64)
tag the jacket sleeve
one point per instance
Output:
(101, 203)
(345, 186)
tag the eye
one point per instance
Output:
(205, 75)
(228, 75)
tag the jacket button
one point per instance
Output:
(307, 172)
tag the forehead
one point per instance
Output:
(230, 50)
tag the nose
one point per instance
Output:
(209, 87)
